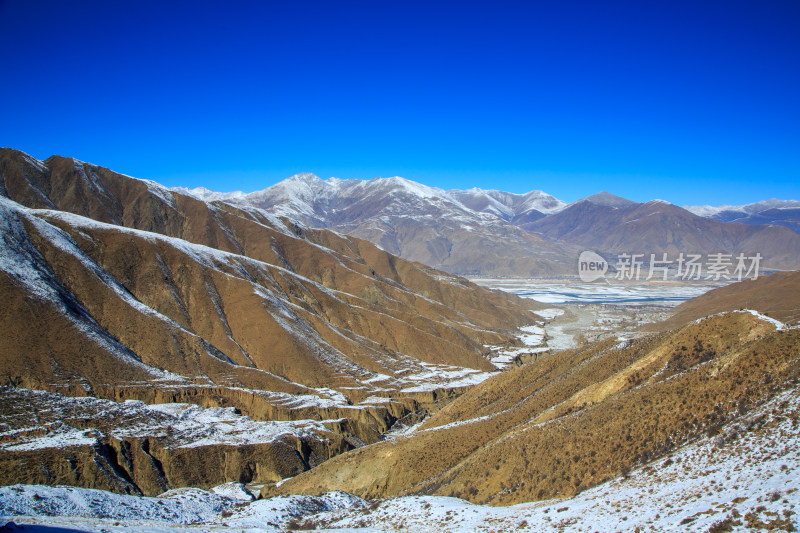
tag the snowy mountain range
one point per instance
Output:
(495, 233)
(330, 201)
(443, 229)
(777, 212)
(307, 195)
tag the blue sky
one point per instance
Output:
(692, 102)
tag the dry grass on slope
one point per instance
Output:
(574, 419)
(776, 295)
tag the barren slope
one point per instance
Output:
(572, 420)
(117, 288)
(776, 295)
(658, 227)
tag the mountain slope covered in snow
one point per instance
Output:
(440, 228)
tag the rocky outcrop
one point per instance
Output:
(129, 447)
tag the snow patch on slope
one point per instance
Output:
(747, 474)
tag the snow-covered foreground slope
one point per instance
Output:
(745, 476)
(94, 510)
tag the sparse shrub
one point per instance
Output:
(725, 525)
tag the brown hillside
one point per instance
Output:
(659, 227)
(342, 263)
(120, 289)
(131, 448)
(245, 322)
(776, 295)
(574, 419)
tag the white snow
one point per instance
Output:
(184, 510)
(550, 314)
(221, 425)
(180, 506)
(777, 323)
(443, 376)
(278, 511)
(188, 425)
(746, 209)
(749, 471)
(57, 437)
(234, 491)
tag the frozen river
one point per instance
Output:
(576, 291)
(590, 311)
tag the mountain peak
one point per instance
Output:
(303, 177)
(607, 199)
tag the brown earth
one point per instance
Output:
(137, 451)
(152, 295)
(303, 306)
(574, 419)
(659, 227)
(776, 295)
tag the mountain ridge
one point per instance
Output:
(445, 228)
(117, 288)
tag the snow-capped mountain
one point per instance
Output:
(440, 228)
(784, 213)
(496, 233)
(750, 209)
(509, 206)
(335, 201)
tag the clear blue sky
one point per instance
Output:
(688, 101)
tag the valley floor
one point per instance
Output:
(590, 311)
(745, 477)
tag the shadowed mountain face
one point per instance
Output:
(118, 288)
(784, 213)
(658, 227)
